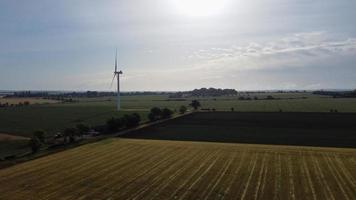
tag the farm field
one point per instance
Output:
(13, 147)
(95, 111)
(151, 169)
(52, 118)
(12, 144)
(285, 128)
(289, 102)
(17, 100)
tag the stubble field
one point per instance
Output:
(152, 169)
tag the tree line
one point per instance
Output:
(20, 104)
(205, 92)
(87, 94)
(337, 94)
(70, 135)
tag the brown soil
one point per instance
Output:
(4, 136)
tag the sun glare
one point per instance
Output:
(200, 7)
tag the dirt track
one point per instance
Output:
(4, 136)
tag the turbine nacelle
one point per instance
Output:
(118, 72)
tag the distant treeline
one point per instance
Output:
(20, 104)
(202, 92)
(216, 92)
(89, 94)
(337, 94)
(28, 94)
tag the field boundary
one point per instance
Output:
(150, 124)
(49, 151)
(125, 134)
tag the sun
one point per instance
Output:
(200, 8)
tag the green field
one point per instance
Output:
(13, 147)
(56, 117)
(289, 102)
(151, 169)
(95, 111)
(32, 100)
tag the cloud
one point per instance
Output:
(298, 49)
(299, 61)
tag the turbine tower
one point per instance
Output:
(117, 75)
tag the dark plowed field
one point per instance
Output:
(306, 129)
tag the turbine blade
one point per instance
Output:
(116, 61)
(112, 81)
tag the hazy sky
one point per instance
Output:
(178, 44)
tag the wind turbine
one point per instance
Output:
(117, 75)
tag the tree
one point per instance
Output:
(152, 117)
(195, 104)
(132, 120)
(82, 129)
(182, 109)
(35, 144)
(166, 113)
(155, 114)
(36, 141)
(70, 133)
(270, 97)
(136, 118)
(156, 111)
(111, 124)
(115, 124)
(40, 135)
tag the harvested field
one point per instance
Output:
(151, 169)
(31, 100)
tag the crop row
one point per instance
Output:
(132, 169)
